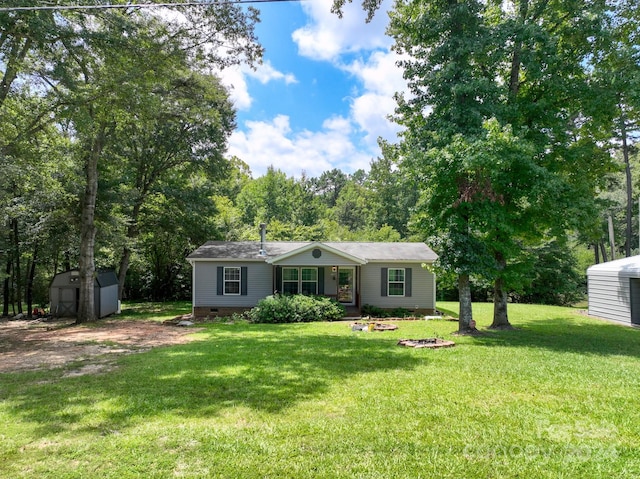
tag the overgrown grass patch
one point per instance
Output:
(557, 397)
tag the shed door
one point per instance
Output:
(67, 301)
(634, 288)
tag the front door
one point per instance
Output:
(346, 282)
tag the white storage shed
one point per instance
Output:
(614, 290)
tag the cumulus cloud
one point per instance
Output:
(235, 79)
(262, 144)
(380, 73)
(327, 36)
(371, 108)
(347, 142)
(265, 73)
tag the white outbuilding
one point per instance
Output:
(614, 290)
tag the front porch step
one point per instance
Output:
(352, 312)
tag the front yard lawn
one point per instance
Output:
(558, 397)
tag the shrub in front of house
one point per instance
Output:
(296, 308)
(376, 312)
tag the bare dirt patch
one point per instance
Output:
(90, 348)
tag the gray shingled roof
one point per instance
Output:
(249, 250)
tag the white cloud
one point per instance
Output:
(381, 79)
(234, 78)
(380, 73)
(262, 144)
(370, 112)
(327, 36)
(349, 143)
(265, 73)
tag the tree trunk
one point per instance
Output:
(603, 250)
(500, 316)
(122, 271)
(5, 289)
(86, 263)
(16, 267)
(67, 261)
(466, 324)
(629, 187)
(30, 277)
(132, 234)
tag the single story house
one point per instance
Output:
(614, 290)
(64, 293)
(232, 277)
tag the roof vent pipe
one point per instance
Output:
(263, 239)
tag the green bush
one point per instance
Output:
(296, 309)
(376, 312)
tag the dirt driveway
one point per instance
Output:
(35, 345)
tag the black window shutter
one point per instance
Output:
(383, 282)
(220, 281)
(321, 280)
(243, 281)
(279, 278)
(407, 282)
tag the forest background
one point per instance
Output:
(113, 137)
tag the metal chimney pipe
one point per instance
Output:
(263, 238)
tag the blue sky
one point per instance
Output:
(321, 96)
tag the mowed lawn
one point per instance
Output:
(559, 397)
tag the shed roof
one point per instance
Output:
(624, 267)
(367, 251)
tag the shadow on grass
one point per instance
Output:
(264, 368)
(146, 310)
(567, 334)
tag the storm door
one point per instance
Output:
(346, 283)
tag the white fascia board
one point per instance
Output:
(321, 246)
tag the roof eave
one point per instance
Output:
(317, 244)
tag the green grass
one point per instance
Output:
(153, 310)
(557, 398)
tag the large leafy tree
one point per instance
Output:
(96, 63)
(495, 128)
(616, 79)
(177, 132)
(450, 73)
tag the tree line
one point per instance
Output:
(517, 150)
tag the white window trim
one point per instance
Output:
(296, 281)
(225, 281)
(403, 282)
(316, 281)
(299, 281)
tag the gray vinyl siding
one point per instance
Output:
(306, 259)
(610, 296)
(423, 290)
(259, 284)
